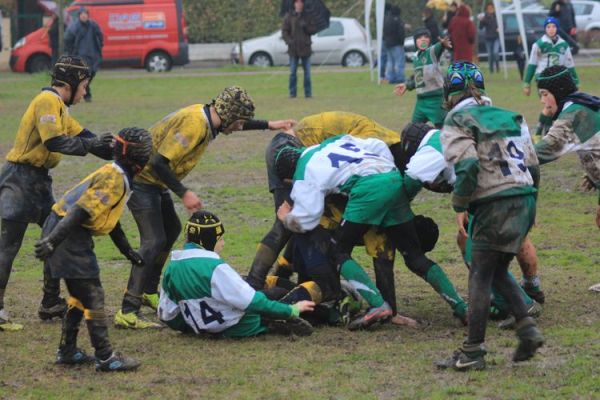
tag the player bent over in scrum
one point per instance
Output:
(92, 208)
(201, 293)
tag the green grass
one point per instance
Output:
(387, 363)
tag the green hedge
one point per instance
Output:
(212, 21)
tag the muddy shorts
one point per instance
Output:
(502, 224)
(429, 109)
(74, 257)
(378, 200)
(25, 193)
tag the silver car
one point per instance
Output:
(344, 42)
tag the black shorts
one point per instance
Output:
(74, 257)
(25, 193)
(148, 197)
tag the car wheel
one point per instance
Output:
(261, 59)
(158, 61)
(38, 63)
(354, 59)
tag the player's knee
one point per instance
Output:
(419, 265)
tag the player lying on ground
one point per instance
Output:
(92, 208)
(200, 292)
(179, 140)
(46, 132)
(496, 172)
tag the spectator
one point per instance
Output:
(448, 15)
(462, 34)
(563, 11)
(489, 24)
(53, 36)
(393, 39)
(84, 38)
(296, 31)
(431, 25)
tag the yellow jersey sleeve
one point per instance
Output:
(49, 118)
(72, 126)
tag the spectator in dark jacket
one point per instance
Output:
(462, 34)
(431, 25)
(448, 15)
(296, 31)
(393, 39)
(489, 24)
(84, 38)
(563, 11)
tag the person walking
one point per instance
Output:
(462, 34)
(489, 24)
(393, 39)
(296, 31)
(84, 38)
(564, 12)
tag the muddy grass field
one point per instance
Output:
(389, 362)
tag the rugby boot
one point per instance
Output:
(530, 339)
(150, 300)
(535, 310)
(58, 310)
(288, 327)
(373, 315)
(6, 324)
(467, 358)
(117, 362)
(134, 320)
(72, 356)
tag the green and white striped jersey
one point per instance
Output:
(427, 80)
(545, 53)
(333, 166)
(202, 292)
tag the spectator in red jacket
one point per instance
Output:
(462, 34)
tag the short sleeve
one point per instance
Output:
(48, 119)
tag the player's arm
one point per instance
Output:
(309, 204)
(261, 125)
(74, 218)
(531, 66)
(120, 240)
(556, 142)
(461, 153)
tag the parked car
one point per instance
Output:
(144, 33)
(344, 42)
(587, 17)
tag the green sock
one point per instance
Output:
(359, 279)
(438, 279)
(501, 303)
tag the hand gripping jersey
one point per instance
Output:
(427, 80)
(181, 137)
(577, 129)
(202, 293)
(334, 166)
(545, 53)
(491, 151)
(314, 129)
(46, 117)
(103, 194)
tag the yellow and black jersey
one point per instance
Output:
(314, 129)
(182, 138)
(103, 194)
(46, 117)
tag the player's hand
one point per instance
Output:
(281, 125)
(586, 184)
(43, 249)
(573, 31)
(527, 90)
(305, 305)
(134, 257)
(445, 41)
(462, 220)
(283, 210)
(400, 89)
(191, 202)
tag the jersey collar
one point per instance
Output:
(206, 111)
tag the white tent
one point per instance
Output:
(379, 9)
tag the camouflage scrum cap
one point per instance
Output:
(233, 104)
